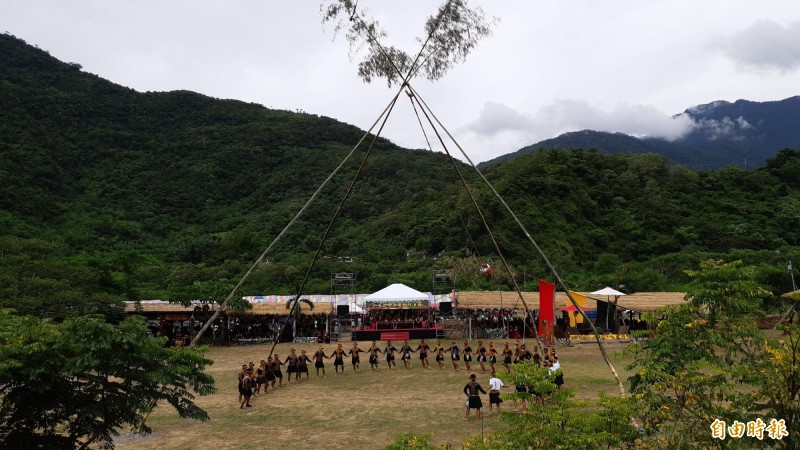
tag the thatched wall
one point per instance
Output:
(640, 301)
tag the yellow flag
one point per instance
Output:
(575, 317)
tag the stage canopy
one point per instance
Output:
(608, 292)
(396, 296)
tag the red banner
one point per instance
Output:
(547, 295)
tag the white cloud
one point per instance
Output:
(724, 128)
(575, 115)
(766, 45)
(497, 117)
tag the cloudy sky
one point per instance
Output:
(550, 67)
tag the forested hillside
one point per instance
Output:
(109, 194)
(744, 134)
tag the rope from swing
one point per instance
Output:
(541, 253)
(293, 303)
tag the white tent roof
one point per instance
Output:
(608, 291)
(396, 292)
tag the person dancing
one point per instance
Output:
(291, 364)
(373, 356)
(507, 355)
(494, 393)
(276, 368)
(319, 362)
(246, 389)
(269, 375)
(423, 349)
(455, 354)
(467, 352)
(492, 356)
(261, 377)
(473, 399)
(439, 350)
(354, 358)
(389, 351)
(482, 356)
(338, 359)
(302, 365)
(405, 354)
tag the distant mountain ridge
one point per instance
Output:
(743, 133)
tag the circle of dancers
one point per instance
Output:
(257, 380)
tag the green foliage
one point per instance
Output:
(705, 360)
(411, 441)
(75, 384)
(555, 420)
(138, 195)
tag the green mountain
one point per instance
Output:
(108, 194)
(743, 133)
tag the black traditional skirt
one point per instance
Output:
(475, 402)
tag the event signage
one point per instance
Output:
(396, 304)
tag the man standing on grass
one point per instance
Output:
(354, 356)
(494, 393)
(319, 355)
(473, 398)
(338, 359)
(246, 389)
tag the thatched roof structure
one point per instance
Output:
(640, 301)
(259, 309)
(160, 307)
(262, 309)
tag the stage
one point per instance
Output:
(396, 334)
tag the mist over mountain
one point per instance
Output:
(743, 133)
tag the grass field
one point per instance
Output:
(362, 410)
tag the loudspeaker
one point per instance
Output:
(342, 310)
(445, 307)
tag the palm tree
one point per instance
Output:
(295, 310)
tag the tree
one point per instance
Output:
(75, 384)
(705, 360)
(454, 31)
(561, 421)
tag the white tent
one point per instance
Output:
(396, 296)
(354, 308)
(609, 292)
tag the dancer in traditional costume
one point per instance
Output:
(319, 362)
(276, 368)
(354, 358)
(507, 357)
(455, 354)
(302, 365)
(389, 351)
(338, 359)
(405, 354)
(467, 352)
(473, 398)
(482, 356)
(439, 350)
(291, 364)
(373, 356)
(423, 349)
